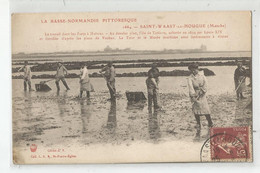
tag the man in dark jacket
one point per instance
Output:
(60, 75)
(110, 75)
(155, 72)
(152, 86)
(240, 78)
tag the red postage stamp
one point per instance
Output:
(230, 143)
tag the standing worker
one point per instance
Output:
(85, 84)
(152, 89)
(27, 76)
(153, 74)
(197, 84)
(240, 78)
(60, 75)
(109, 74)
(155, 71)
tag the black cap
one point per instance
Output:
(193, 66)
(110, 63)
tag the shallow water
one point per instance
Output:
(220, 70)
(221, 83)
(49, 118)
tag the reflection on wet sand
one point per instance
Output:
(135, 105)
(28, 105)
(85, 112)
(199, 137)
(153, 124)
(243, 112)
(33, 127)
(55, 118)
(111, 120)
(61, 103)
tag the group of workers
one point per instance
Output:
(197, 85)
(108, 72)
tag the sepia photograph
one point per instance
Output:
(131, 87)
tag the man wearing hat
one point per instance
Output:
(152, 83)
(60, 75)
(240, 78)
(109, 74)
(155, 72)
(27, 76)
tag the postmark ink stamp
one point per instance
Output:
(227, 144)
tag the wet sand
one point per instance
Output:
(49, 119)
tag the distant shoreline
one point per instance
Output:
(17, 62)
(113, 53)
(207, 72)
(75, 65)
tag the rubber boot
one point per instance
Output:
(155, 100)
(150, 100)
(30, 86)
(65, 84)
(88, 94)
(112, 92)
(57, 85)
(208, 117)
(197, 117)
(24, 85)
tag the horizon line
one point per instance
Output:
(122, 51)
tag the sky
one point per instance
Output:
(29, 31)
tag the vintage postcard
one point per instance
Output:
(131, 87)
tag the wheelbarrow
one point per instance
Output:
(42, 86)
